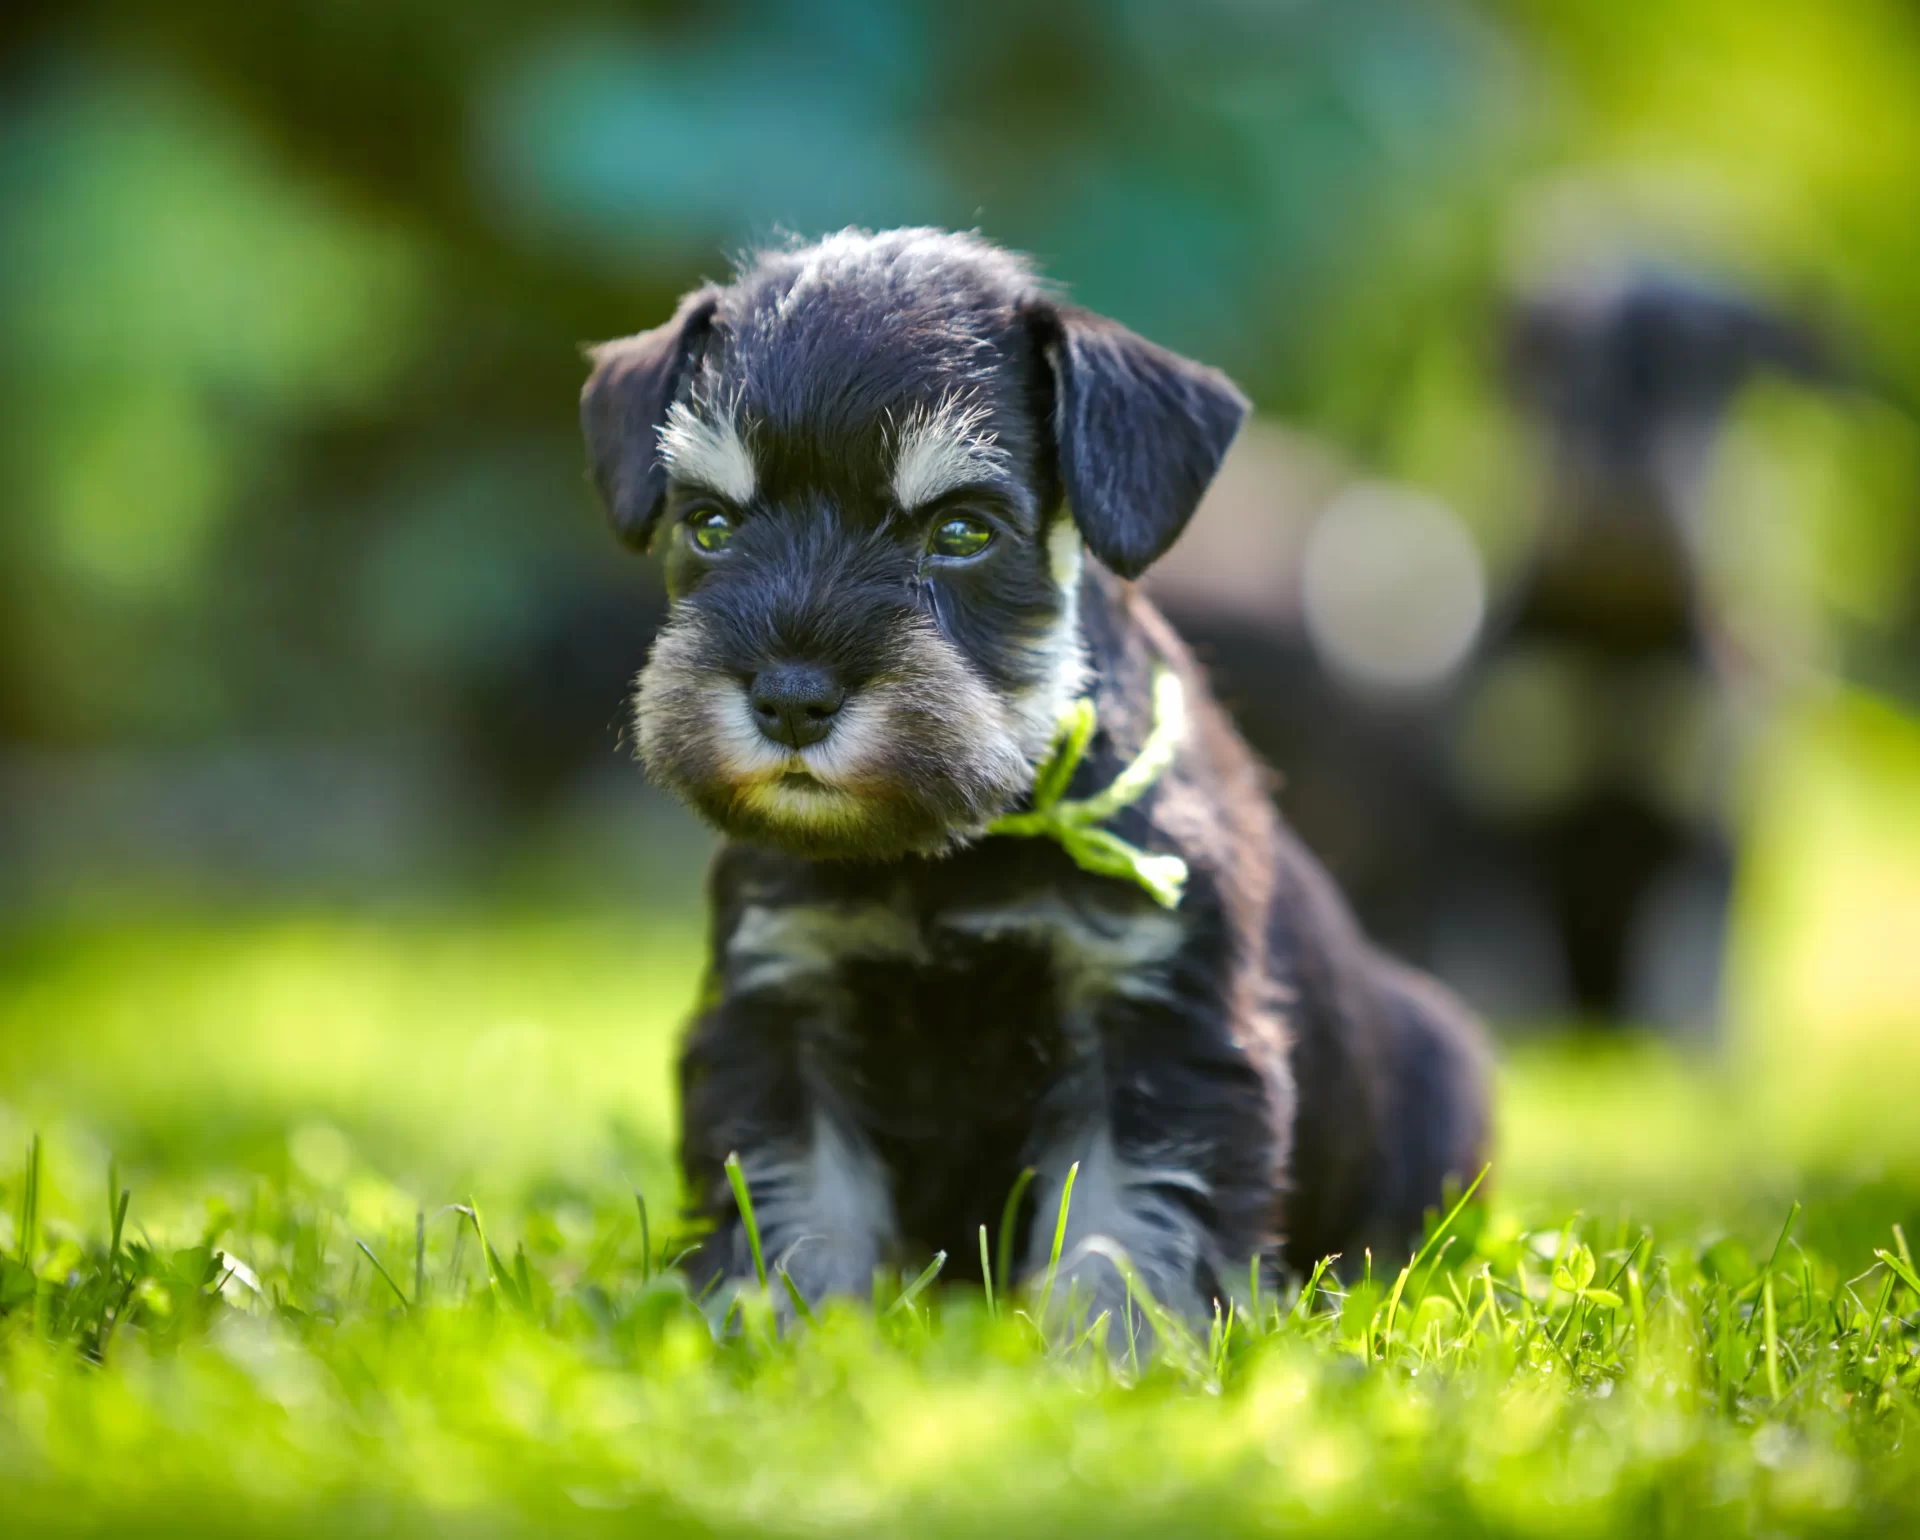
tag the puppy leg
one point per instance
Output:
(1149, 1212)
(1178, 1156)
(1436, 1125)
(823, 1207)
(822, 1200)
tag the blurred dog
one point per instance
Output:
(1547, 826)
(1610, 662)
(877, 466)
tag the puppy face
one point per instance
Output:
(853, 459)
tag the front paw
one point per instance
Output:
(823, 1269)
(1141, 1312)
(812, 1267)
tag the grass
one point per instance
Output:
(335, 1225)
(362, 1284)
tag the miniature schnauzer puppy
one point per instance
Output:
(903, 490)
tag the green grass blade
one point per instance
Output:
(1097, 1332)
(397, 1294)
(1637, 1302)
(986, 1275)
(30, 1204)
(646, 1237)
(113, 1224)
(1009, 1218)
(1059, 1237)
(1219, 1339)
(794, 1297)
(1452, 1214)
(920, 1284)
(1793, 1214)
(1620, 1272)
(1393, 1309)
(737, 1179)
(1303, 1306)
(455, 1261)
(509, 1285)
(489, 1258)
(1901, 1269)
(1400, 1283)
(119, 1212)
(1879, 1314)
(1773, 1341)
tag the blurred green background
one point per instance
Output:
(306, 612)
(329, 898)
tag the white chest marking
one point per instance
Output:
(771, 947)
(1095, 952)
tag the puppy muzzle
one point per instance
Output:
(918, 757)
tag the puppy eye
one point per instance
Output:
(958, 539)
(710, 529)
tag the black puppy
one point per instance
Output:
(875, 464)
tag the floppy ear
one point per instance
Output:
(623, 405)
(1139, 433)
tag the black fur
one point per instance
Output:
(902, 1011)
(633, 381)
(1140, 431)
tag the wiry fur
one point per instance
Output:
(822, 1207)
(706, 449)
(902, 1010)
(941, 449)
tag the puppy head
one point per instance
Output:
(855, 457)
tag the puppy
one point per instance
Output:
(1001, 886)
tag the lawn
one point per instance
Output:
(1688, 1306)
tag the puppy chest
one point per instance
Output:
(952, 1072)
(1037, 967)
(953, 1037)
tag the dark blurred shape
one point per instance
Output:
(1626, 847)
(1358, 767)
(1541, 818)
(555, 714)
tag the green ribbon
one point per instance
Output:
(1072, 824)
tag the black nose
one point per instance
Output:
(794, 703)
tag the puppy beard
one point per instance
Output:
(921, 757)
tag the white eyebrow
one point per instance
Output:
(943, 448)
(713, 455)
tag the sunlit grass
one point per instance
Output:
(491, 1055)
(1687, 1307)
(297, 1369)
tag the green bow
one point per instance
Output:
(1072, 824)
